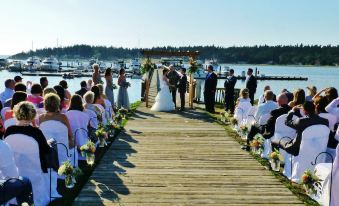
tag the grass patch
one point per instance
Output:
(70, 194)
(296, 189)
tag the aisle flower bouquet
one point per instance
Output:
(223, 116)
(193, 66)
(87, 151)
(101, 135)
(311, 182)
(111, 127)
(243, 130)
(123, 112)
(275, 158)
(257, 144)
(70, 172)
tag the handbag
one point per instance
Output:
(52, 157)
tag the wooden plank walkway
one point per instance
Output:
(180, 159)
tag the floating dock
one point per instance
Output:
(281, 78)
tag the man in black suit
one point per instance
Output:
(210, 88)
(251, 84)
(229, 91)
(182, 88)
(300, 124)
(173, 78)
(83, 89)
(282, 101)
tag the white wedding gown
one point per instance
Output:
(163, 100)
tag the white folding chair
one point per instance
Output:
(314, 141)
(58, 131)
(267, 143)
(103, 113)
(332, 120)
(78, 121)
(27, 159)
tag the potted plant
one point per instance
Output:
(87, 151)
(311, 182)
(70, 173)
(275, 158)
(101, 135)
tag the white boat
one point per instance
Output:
(15, 66)
(117, 65)
(135, 66)
(3, 62)
(32, 64)
(50, 64)
(224, 71)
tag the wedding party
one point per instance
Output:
(208, 103)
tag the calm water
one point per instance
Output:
(321, 77)
(73, 84)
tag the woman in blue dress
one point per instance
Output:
(123, 100)
(109, 85)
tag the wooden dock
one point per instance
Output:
(180, 158)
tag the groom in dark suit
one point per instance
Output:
(251, 84)
(182, 86)
(210, 88)
(173, 78)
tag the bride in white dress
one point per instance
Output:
(163, 100)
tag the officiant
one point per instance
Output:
(173, 77)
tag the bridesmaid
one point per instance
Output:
(123, 100)
(96, 75)
(109, 86)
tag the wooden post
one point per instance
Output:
(146, 91)
(190, 90)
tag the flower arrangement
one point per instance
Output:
(147, 66)
(275, 158)
(223, 116)
(311, 182)
(70, 172)
(123, 112)
(102, 135)
(234, 121)
(257, 144)
(243, 128)
(193, 66)
(111, 127)
(118, 119)
(88, 150)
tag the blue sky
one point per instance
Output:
(147, 23)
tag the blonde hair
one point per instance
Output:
(52, 102)
(244, 93)
(95, 66)
(48, 91)
(89, 97)
(101, 90)
(24, 111)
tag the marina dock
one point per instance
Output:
(179, 158)
(281, 78)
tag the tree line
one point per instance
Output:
(284, 55)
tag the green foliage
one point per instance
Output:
(147, 66)
(298, 54)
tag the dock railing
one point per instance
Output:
(220, 95)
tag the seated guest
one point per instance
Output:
(25, 113)
(266, 107)
(49, 90)
(288, 94)
(17, 98)
(9, 90)
(320, 103)
(61, 93)
(89, 99)
(64, 85)
(52, 106)
(263, 109)
(20, 188)
(298, 98)
(333, 108)
(89, 84)
(311, 92)
(103, 96)
(36, 95)
(262, 97)
(97, 97)
(300, 124)
(331, 93)
(83, 89)
(43, 82)
(282, 101)
(243, 105)
(18, 87)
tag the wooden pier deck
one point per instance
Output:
(180, 158)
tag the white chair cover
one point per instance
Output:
(267, 144)
(314, 141)
(26, 155)
(93, 120)
(78, 121)
(281, 130)
(3, 112)
(335, 181)
(109, 109)
(241, 111)
(58, 131)
(332, 120)
(263, 119)
(10, 122)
